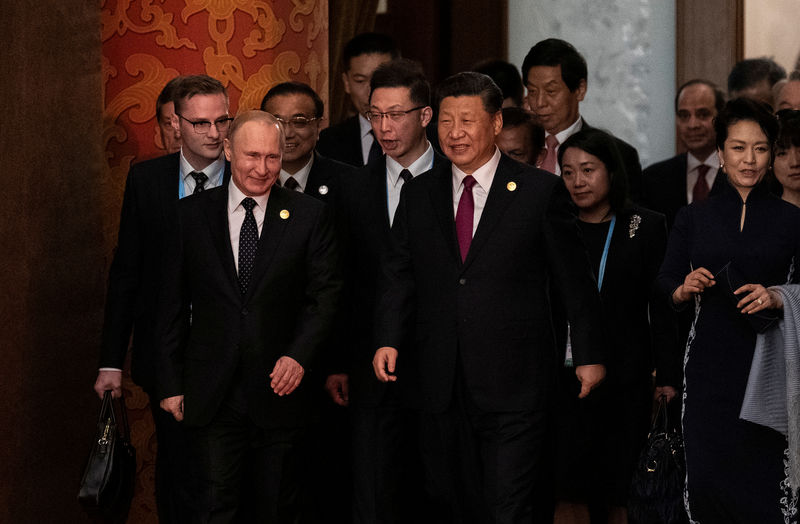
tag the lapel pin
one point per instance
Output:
(511, 186)
(284, 214)
(323, 190)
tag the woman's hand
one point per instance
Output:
(695, 282)
(758, 298)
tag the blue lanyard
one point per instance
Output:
(604, 259)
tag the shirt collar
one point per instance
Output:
(213, 170)
(301, 176)
(561, 136)
(364, 125)
(484, 175)
(419, 166)
(693, 163)
(235, 197)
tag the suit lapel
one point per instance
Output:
(220, 234)
(442, 201)
(271, 234)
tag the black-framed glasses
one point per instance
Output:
(394, 116)
(297, 122)
(204, 126)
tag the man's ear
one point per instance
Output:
(346, 82)
(226, 146)
(426, 115)
(580, 93)
(174, 119)
(497, 122)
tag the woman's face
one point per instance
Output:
(787, 167)
(586, 178)
(745, 155)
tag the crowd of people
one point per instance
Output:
(454, 306)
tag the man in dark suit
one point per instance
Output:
(149, 214)
(384, 437)
(464, 316)
(248, 300)
(555, 75)
(673, 183)
(351, 141)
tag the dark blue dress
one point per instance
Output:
(736, 470)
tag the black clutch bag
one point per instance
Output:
(656, 495)
(729, 280)
(106, 488)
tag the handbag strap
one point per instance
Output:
(107, 410)
(661, 415)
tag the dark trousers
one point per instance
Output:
(481, 467)
(170, 481)
(242, 472)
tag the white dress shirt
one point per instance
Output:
(301, 176)
(692, 164)
(394, 183)
(367, 138)
(483, 176)
(214, 171)
(563, 135)
(236, 214)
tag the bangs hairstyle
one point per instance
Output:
(196, 85)
(745, 109)
(294, 88)
(788, 129)
(471, 83)
(602, 145)
(402, 72)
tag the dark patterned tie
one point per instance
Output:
(248, 242)
(199, 181)
(405, 174)
(701, 189)
(291, 184)
(464, 217)
(375, 150)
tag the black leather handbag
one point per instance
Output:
(106, 488)
(656, 495)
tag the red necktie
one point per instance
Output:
(464, 217)
(701, 189)
(549, 162)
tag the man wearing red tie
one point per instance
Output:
(464, 315)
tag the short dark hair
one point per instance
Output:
(555, 52)
(193, 85)
(367, 44)
(470, 83)
(719, 96)
(294, 88)
(505, 75)
(167, 94)
(745, 109)
(603, 145)
(519, 117)
(751, 71)
(402, 72)
(788, 129)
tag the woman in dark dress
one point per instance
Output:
(722, 255)
(600, 436)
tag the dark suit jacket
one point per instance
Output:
(147, 226)
(365, 221)
(491, 315)
(342, 142)
(288, 310)
(328, 173)
(633, 167)
(664, 186)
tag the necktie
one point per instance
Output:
(405, 174)
(199, 181)
(375, 150)
(701, 189)
(291, 184)
(248, 241)
(549, 162)
(465, 214)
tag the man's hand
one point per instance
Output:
(384, 364)
(667, 391)
(173, 405)
(107, 379)
(286, 376)
(590, 376)
(338, 387)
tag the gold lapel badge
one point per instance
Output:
(511, 186)
(284, 214)
(323, 190)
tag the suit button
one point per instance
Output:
(245, 312)
(462, 281)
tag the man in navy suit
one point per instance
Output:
(249, 298)
(147, 227)
(464, 315)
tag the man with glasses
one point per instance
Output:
(384, 431)
(147, 226)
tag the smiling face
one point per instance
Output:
(467, 131)
(587, 180)
(255, 156)
(401, 137)
(201, 149)
(300, 138)
(695, 119)
(745, 155)
(555, 106)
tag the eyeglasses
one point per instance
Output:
(394, 116)
(297, 122)
(204, 126)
